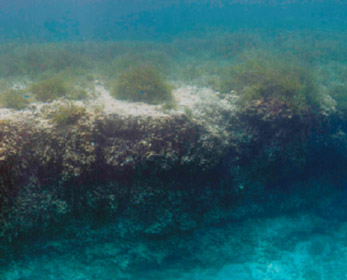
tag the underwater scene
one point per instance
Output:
(173, 140)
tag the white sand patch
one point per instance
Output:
(200, 102)
(110, 105)
(201, 105)
(207, 108)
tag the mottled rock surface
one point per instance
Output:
(166, 171)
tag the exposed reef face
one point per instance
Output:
(158, 172)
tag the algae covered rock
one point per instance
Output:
(63, 161)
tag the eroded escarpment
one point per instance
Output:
(158, 171)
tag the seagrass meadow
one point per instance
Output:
(173, 140)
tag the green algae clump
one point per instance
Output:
(142, 84)
(67, 114)
(272, 77)
(14, 99)
(49, 89)
(57, 87)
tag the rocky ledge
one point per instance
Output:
(166, 170)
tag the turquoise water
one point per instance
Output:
(109, 20)
(283, 220)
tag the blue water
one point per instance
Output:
(109, 20)
(296, 231)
